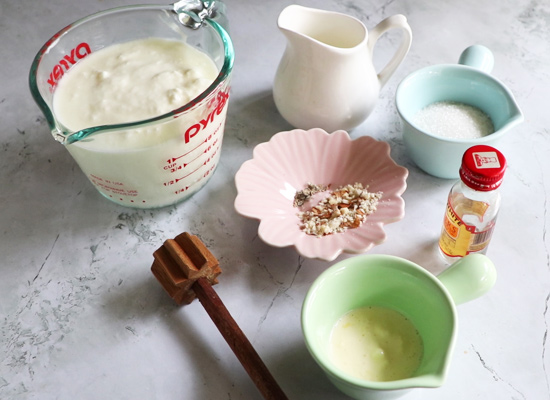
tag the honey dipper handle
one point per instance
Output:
(237, 340)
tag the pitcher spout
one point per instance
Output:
(321, 27)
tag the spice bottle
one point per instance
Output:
(473, 204)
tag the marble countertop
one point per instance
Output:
(81, 315)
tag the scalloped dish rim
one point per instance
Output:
(309, 246)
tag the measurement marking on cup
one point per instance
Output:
(204, 152)
(203, 164)
(196, 158)
(171, 160)
(206, 140)
(202, 177)
(199, 167)
(174, 167)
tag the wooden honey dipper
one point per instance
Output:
(187, 269)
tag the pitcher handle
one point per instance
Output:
(397, 21)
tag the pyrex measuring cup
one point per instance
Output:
(157, 161)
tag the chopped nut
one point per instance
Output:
(345, 208)
(304, 195)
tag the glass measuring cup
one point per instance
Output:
(158, 161)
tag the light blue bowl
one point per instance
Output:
(468, 82)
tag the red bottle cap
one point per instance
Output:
(482, 168)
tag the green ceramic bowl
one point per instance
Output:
(387, 281)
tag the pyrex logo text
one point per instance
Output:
(219, 104)
(78, 53)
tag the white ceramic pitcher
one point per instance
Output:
(326, 78)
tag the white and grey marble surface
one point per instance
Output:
(81, 315)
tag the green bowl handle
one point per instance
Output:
(469, 278)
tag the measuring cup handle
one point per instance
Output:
(397, 21)
(469, 278)
(479, 57)
(192, 13)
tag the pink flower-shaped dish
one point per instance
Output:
(267, 184)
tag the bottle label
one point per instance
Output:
(459, 238)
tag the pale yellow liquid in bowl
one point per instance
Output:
(376, 344)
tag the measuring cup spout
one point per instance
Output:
(469, 278)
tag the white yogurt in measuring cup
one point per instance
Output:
(147, 166)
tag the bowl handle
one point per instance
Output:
(469, 278)
(479, 57)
